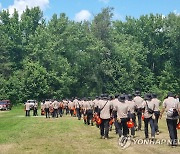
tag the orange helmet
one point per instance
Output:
(142, 117)
(178, 126)
(130, 124)
(74, 111)
(111, 121)
(98, 120)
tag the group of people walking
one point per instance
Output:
(105, 111)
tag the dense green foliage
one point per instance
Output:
(63, 58)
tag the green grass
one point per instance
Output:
(20, 134)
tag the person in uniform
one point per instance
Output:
(51, 108)
(27, 108)
(55, 107)
(138, 102)
(46, 106)
(42, 107)
(61, 107)
(172, 108)
(122, 116)
(105, 107)
(115, 102)
(89, 111)
(84, 101)
(156, 101)
(35, 109)
(131, 115)
(77, 103)
(148, 112)
(95, 102)
(71, 107)
(66, 102)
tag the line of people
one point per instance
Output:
(118, 110)
(28, 108)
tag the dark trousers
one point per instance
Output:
(60, 111)
(139, 115)
(151, 122)
(132, 116)
(104, 128)
(35, 112)
(47, 112)
(116, 125)
(67, 110)
(27, 113)
(72, 112)
(171, 124)
(122, 127)
(157, 114)
(115, 121)
(85, 117)
(78, 110)
(55, 113)
(89, 116)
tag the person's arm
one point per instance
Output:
(161, 113)
(163, 109)
(143, 107)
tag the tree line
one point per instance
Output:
(61, 58)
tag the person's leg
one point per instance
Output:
(77, 111)
(151, 121)
(175, 132)
(119, 128)
(124, 126)
(106, 125)
(56, 113)
(46, 113)
(102, 128)
(135, 122)
(91, 117)
(133, 128)
(80, 114)
(71, 112)
(116, 125)
(171, 130)
(157, 113)
(146, 120)
(88, 117)
(139, 114)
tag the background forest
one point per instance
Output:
(61, 58)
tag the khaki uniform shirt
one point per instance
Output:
(138, 101)
(156, 102)
(55, 104)
(65, 103)
(27, 105)
(47, 104)
(151, 105)
(115, 102)
(170, 102)
(105, 109)
(76, 103)
(42, 106)
(71, 105)
(122, 109)
(88, 105)
(131, 105)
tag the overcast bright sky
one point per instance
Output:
(79, 10)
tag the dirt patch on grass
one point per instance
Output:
(7, 148)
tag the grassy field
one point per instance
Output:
(20, 134)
